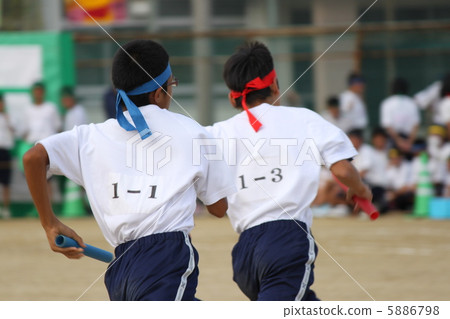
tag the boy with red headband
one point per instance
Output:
(275, 154)
(145, 213)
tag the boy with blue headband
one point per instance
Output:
(140, 179)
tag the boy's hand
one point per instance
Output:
(58, 228)
(363, 192)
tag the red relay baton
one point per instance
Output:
(365, 204)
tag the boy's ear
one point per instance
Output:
(274, 88)
(232, 100)
(155, 96)
(158, 95)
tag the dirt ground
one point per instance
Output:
(393, 258)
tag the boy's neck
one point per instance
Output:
(275, 101)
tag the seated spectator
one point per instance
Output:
(376, 175)
(400, 190)
(362, 161)
(446, 192)
(444, 104)
(330, 200)
(438, 151)
(400, 116)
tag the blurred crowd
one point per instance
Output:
(40, 119)
(390, 156)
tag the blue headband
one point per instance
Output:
(136, 115)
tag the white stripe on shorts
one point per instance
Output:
(188, 271)
(311, 258)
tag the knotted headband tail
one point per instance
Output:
(138, 119)
(254, 85)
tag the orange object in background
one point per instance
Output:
(83, 11)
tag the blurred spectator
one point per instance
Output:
(109, 103)
(332, 113)
(438, 151)
(376, 175)
(429, 98)
(41, 117)
(447, 179)
(352, 106)
(75, 113)
(444, 104)
(400, 116)
(362, 161)
(330, 200)
(400, 191)
(6, 143)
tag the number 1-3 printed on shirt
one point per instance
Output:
(276, 177)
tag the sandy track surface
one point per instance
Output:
(393, 258)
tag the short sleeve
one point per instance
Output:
(63, 154)
(385, 119)
(215, 180)
(445, 110)
(416, 114)
(332, 142)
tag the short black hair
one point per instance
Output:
(333, 101)
(39, 85)
(251, 60)
(67, 91)
(445, 89)
(134, 62)
(400, 86)
(355, 77)
(379, 131)
(358, 133)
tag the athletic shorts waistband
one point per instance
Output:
(282, 225)
(149, 240)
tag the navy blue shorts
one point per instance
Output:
(159, 267)
(275, 261)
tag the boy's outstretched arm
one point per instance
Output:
(219, 208)
(349, 176)
(35, 162)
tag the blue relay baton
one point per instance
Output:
(90, 251)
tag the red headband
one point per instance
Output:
(254, 85)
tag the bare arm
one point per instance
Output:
(349, 176)
(219, 208)
(35, 162)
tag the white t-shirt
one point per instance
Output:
(353, 111)
(74, 117)
(6, 136)
(435, 167)
(444, 110)
(140, 187)
(277, 169)
(376, 175)
(363, 161)
(430, 96)
(41, 121)
(335, 121)
(400, 113)
(399, 176)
